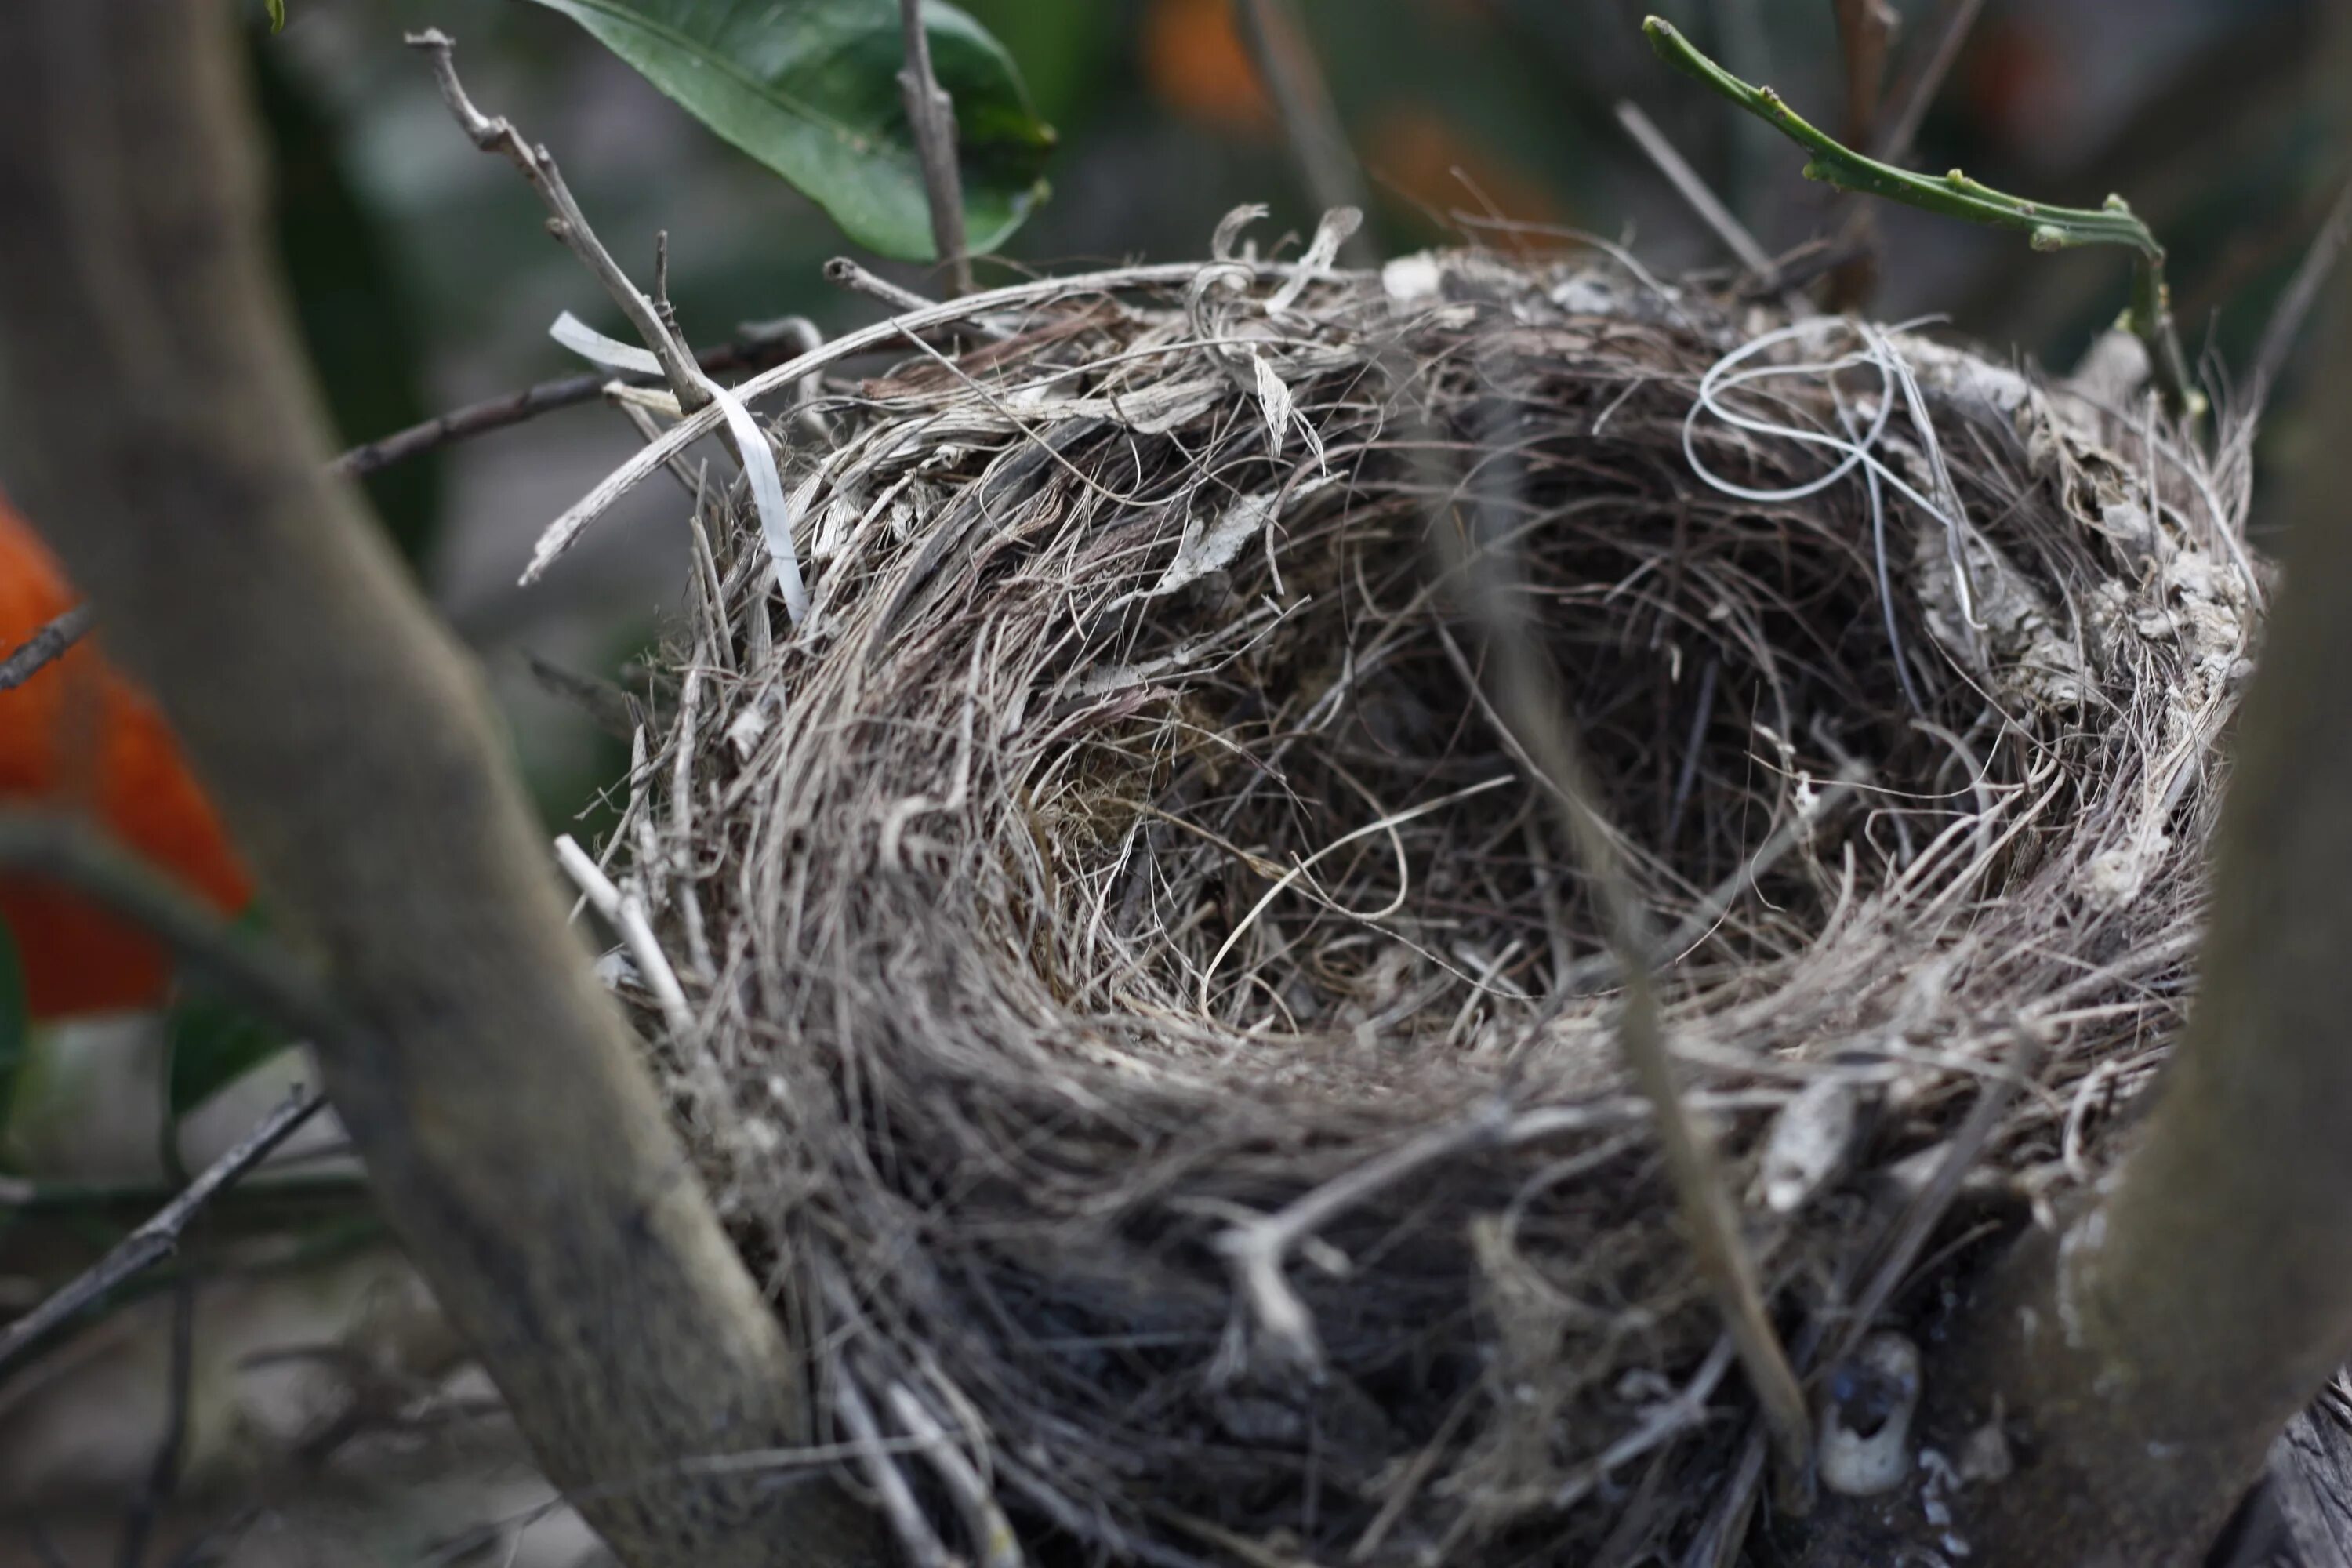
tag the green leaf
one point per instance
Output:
(810, 88)
(277, 15)
(16, 1021)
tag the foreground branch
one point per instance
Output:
(158, 410)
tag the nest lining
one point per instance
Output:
(1141, 991)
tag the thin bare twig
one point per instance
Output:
(859, 280)
(164, 1477)
(48, 644)
(1899, 129)
(2285, 327)
(932, 112)
(755, 349)
(155, 1240)
(567, 223)
(1280, 47)
(1865, 33)
(1695, 191)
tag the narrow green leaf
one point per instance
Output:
(810, 88)
(277, 15)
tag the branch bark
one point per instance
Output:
(162, 423)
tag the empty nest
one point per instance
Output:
(1144, 1017)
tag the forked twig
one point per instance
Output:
(48, 644)
(566, 221)
(932, 112)
(1258, 1249)
(154, 1241)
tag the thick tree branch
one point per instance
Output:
(161, 425)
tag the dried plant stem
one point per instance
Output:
(154, 1241)
(1695, 193)
(48, 644)
(932, 112)
(626, 912)
(1956, 196)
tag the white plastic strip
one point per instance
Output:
(758, 459)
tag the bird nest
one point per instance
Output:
(1135, 997)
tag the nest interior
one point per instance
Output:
(1149, 1021)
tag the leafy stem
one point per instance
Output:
(2045, 226)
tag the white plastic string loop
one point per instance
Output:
(758, 459)
(1855, 450)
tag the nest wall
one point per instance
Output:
(1148, 1023)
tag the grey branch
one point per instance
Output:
(932, 112)
(154, 1241)
(45, 646)
(756, 348)
(566, 221)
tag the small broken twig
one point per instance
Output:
(932, 112)
(48, 644)
(155, 1240)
